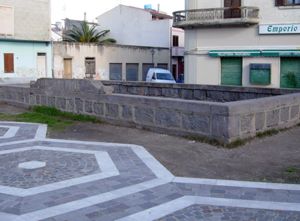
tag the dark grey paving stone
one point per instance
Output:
(3, 131)
(244, 193)
(218, 213)
(60, 166)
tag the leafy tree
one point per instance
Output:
(87, 34)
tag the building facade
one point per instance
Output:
(137, 27)
(25, 47)
(177, 50)
(242, 42)
(106, 62)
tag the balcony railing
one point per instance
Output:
(216, 17)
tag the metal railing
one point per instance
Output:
(215, 14)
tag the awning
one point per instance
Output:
(281, 53)
(254, 53)
(235, 53)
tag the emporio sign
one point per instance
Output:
(279, 29)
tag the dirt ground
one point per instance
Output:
(272, 159)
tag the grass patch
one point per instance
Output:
(292, 170)
(51, 111)
(215, 142)
(236, 143)
(203, 140)
(292, 175)
(54, 118)
(267, 133)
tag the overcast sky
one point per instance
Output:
(75, 9)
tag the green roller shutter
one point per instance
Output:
(290, 73)
(231, 71)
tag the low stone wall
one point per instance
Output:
(225, 122)
(195, 92)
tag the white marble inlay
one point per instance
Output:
(31, 165)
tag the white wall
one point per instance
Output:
(275, 70)
(134, 26)
(31, 19)
(202, 69)
(180, 33)
(268, 11)
(25, 61)
(103, 56)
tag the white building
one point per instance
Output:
(106, 62)
(25, 49)
(242, 42)
(177, 50)
(137, 27)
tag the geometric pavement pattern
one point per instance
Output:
(64, 180)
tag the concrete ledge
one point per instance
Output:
(225, 122)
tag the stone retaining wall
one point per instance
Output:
(225, 122)
(195, 92)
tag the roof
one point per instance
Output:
(154, 13)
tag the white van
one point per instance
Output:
(158, 75)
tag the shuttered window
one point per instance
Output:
(290, 73)
(163, 66)
(146, 68)
(115, 71)
(286, 2)
(231, 71)
(175, 40)
(9, 63)
(132, 72)
(279, 2)
(6, 21)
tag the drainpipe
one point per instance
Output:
(52, 57)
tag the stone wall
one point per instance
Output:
(225, 122)
(195, 92)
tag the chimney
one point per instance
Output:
(158, 7)
(85, 16)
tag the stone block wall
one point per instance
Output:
(225, 122)
(195, 92)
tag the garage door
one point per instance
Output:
(290, 73)
(231, 71)
(146, 68)
(132, 72)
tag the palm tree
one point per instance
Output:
(87, 34)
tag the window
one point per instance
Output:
(8, 63)
(287, 2)
(293, 2)
(115, 71)
(132, 72)
(163, 66)
(175, 41)
(90, 67)
(6, 20)
(146, 67)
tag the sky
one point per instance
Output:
(75, 9)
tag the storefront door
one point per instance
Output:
(290, 73)
(231, 71)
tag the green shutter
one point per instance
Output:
(231, 71)
(290, 73)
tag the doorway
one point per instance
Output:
(41, 65)
(90, 68)
(234, 10)
(231, 71)
(67, 68)
(290, 73)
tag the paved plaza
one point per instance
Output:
(60, 180)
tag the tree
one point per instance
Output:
(86, 33)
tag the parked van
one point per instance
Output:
(158, 75)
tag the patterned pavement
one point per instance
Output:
(61, 180)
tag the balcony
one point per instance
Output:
(216, 17)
